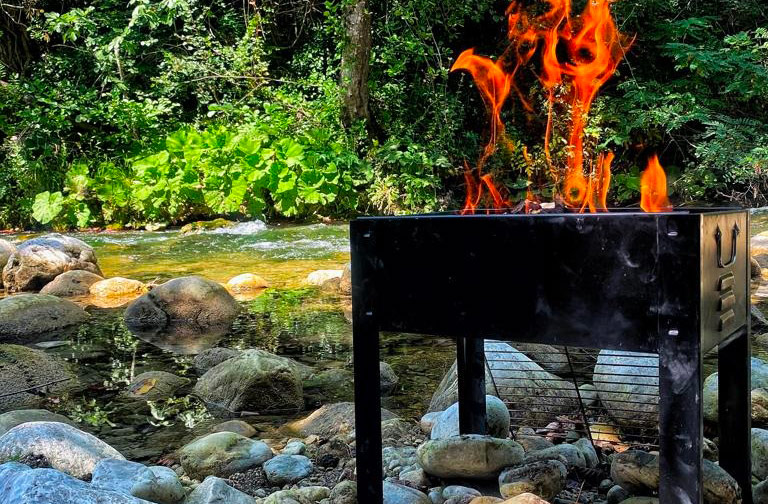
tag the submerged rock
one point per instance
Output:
(72, 284)
(200, 226)
(156, 484)
(57, 445)
(222, 454)
(330, 420)
(22, 368)
(469, 456)
(30, 314)
(156, 385)
(182, 338)
(11, 419)
(628, 386)
(538, 394)
(759, 380)
(255, 381)
(191, 299)
(38, 261)
(447, 423)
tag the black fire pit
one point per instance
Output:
(672, 283)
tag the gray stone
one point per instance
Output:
(294, 448)
(222, 454)
(71, 284)
(236, 426)
(427, 422)
(533, 443)
(638, 473)
(59, 445)
(759, 381)
(330, 420)
(589, 452)
(616, 494)
(536, 393)
(570, 453)
(191, 299)
(286, 469)
(156, 385)
(22, 485)
(470, 456)
(22, 368)
(215, 490)
(38, 261)
(415, 476)
(344, 493)
(304, 495)
(447, 424)
(398, 459)
(760, 453)
(760, 493)
(388, 378)
(254, 381)
(6, 250)
(207, 359)
(30, 314)
(156, 484)
(345, 285)
(398, 432)
(545, 479)
(588, 394)
(628, 386)
(459, 491)
(400, 494)
(11, 419)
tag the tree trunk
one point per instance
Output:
(17, 49)
(355, 64)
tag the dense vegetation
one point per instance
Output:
(130, 112)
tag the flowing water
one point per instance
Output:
(289, 319)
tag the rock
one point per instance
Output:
(207, 359)
(222, 454)
(555, 360)
(572, 455)
(399, 432)
(427, 422)
(546, 479)
(308, 495)
(200, 226)
(187, 299)
(588, 394)
(536, 393)
(526, 498)
(22, 485)
(22, 368)
(38, 261)
(396, 460)
(182, 338)
(255, 381)
(628, 386)
(156, 385)
(320, 277)
(329, 385)
(330, 420)
(485, 500)
(388, 378)
(286, 469)
(532, 443)
(71, 284)
(58, 445)
(294, 447)
(344, 493)
(638, 472)
(400, 494)
(447, 424)
(641, 500)
(6, 250)
(755, 270)
(247, 282)
(215, 490)
(118, 287)
(345, 285)
(589, 452)
(236, 426)
(710, 398)
(760, 453)
(29, 314)
(470, 456)
(759, 399)
(452, 491)
(616, 494)
(760, 493)
(156, 484)
(416, 477)
(11, 419)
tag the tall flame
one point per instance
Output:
(578, 55)
(653, 188)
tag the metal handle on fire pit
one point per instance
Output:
(719, 238)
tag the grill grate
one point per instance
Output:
(609, 397)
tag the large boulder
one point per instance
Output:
(20, 484)
(156, 484)
(222, 454)
(73, 283)
(628, 386)
(537, 394)
(187, 300)
(255, 381)
(6, 250)
(58, 445)
(38, 261)
(469, 456)
(497, 419)
(638, 473)
(330, 420)
(11, 419)
(759, 381)
(30, 314)
(207, 359)
(27, 376)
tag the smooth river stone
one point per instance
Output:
(470, 456)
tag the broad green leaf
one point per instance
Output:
(47, 206)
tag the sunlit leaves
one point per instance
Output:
(47, 206)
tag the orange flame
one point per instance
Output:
(579, 54)
(653, 188)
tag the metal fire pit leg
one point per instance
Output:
(470, 370)
(734, 404)
(680, 418)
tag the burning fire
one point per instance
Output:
(576, 56)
